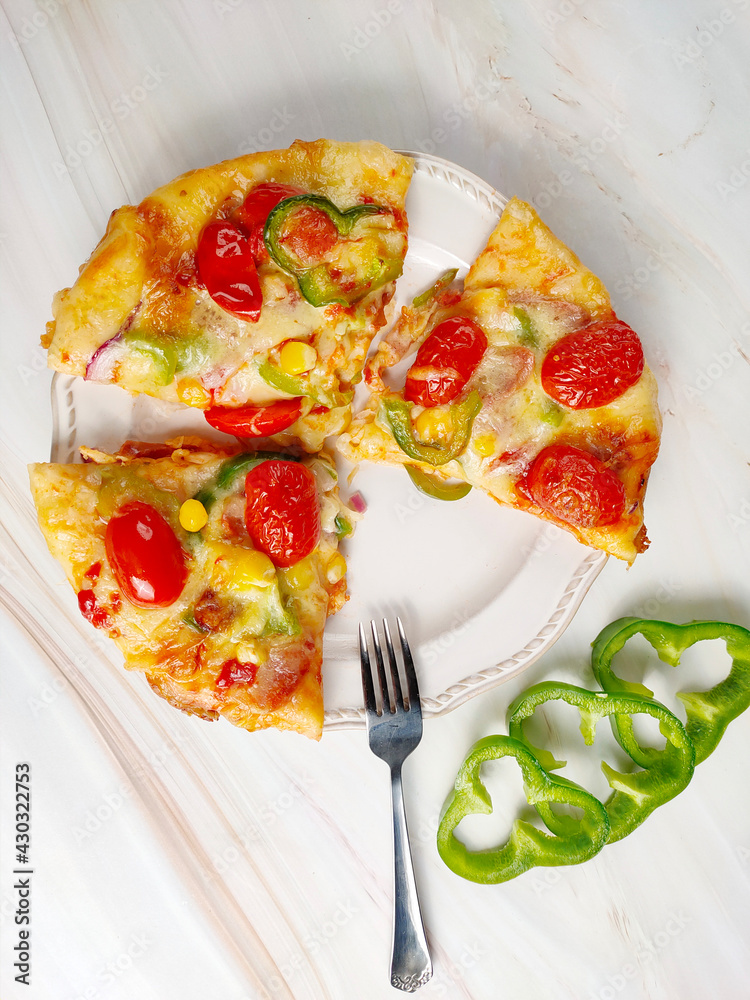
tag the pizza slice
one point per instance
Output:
(212, 569)
(250, 289)
(525, 385)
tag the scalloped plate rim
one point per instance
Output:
(465, 688)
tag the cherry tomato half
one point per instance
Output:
(445, 362)
(255, 209)
(282, 514)
(575, 486)
(145, 555)
(593, 366)
(255, 421)
(226, 267)
(309, 233)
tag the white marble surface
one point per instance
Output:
(241, 866)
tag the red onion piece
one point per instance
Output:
(358, 503)
(101, 366)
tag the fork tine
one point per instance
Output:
(411, 674)
(398, 694)
(380, 669)
(364, 658)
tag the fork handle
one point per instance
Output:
(411, 965)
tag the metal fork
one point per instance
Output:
(394, 728)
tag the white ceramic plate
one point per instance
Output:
(483, 590)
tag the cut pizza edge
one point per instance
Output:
(158, 310)
(516, 429)
(217, 626)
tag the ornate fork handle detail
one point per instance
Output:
(394, 727)
(411, 966)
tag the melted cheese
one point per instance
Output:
(181, 662)
(526, 291)
(141, 280)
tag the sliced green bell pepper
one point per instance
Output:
(529, 336)
(121, 484)
(163, 356)
(434, 486)
(708, 712)
(635, 795)
(318, 283)
(343, 527)
(443, 281)
(527, 846)
(282, 618)
(295, 386)
(398, 415)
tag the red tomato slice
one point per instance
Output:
(145, 555)
(92, 611)
(309, 233)
(445, 362)
(593, 366)
(255, 421)
(234, 672)
(281, 510)
(226, 267)
(256, 208)
(575, 486)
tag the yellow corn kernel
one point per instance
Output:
(193, 515)
(249, 568)
(434, 424)
(251, 651)
(297, 357)
(191, 393)
(301, 575)
(336, 568)
(484, 445)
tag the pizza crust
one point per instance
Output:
(142, 279)
(524, 266)
(182, 663)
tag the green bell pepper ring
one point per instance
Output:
(295, 386)
(398, 414)
(635, 796)
(317, 283)
(163, 356)
(232, 469)
(434, 486)
(708, 712)
(527, 846)
(443, 281)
